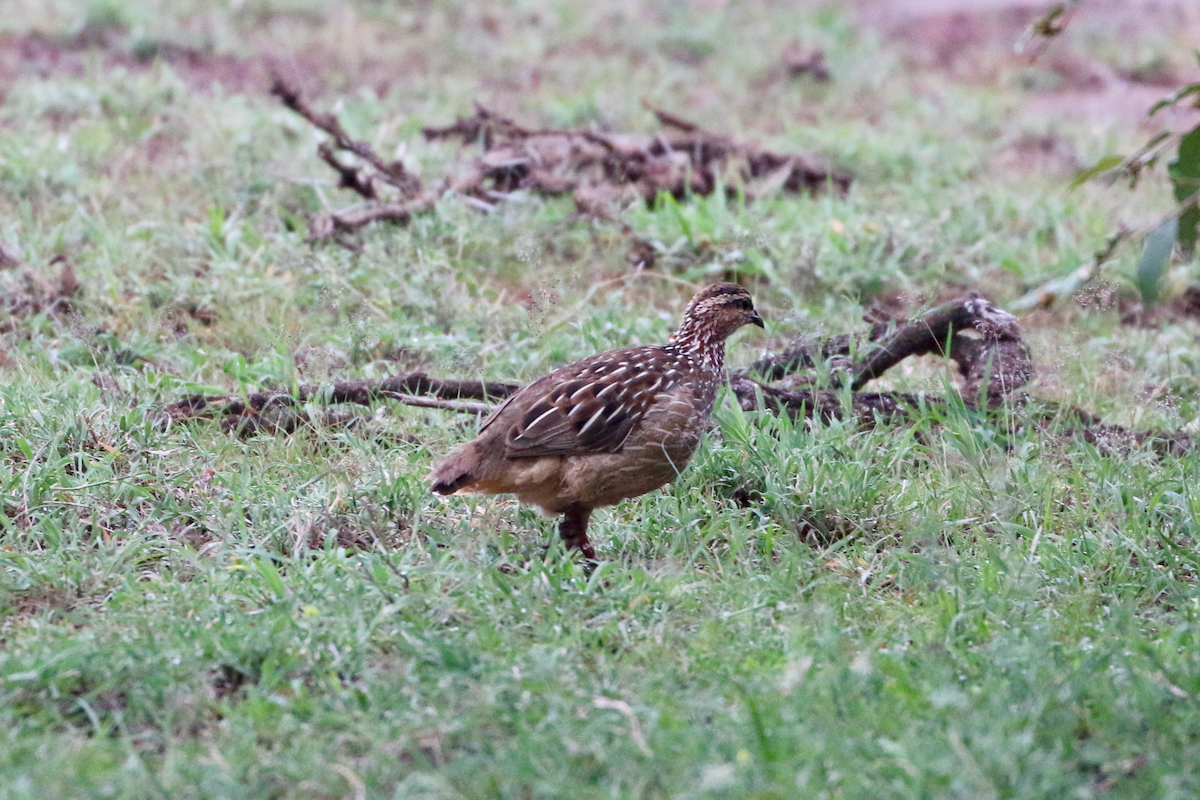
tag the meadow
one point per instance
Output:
(991, 609)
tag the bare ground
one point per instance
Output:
(972, 41)
(966, 41)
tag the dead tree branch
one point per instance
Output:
(415, 388)
(393, 172)
(934, 333)
(601, 171)
(349, 220)
(984, 341)
(824, 404)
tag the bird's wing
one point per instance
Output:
(589, 406)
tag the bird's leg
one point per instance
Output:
(573, 530)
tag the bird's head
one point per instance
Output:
(713, 314)
(720, 309)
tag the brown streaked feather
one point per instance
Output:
(587, 407)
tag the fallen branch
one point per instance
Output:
(994, 365)
(984, 362)
(601, 171)
(1050, 292)
(289, 420)
(337, 222)
(682, 160)
(825, 404)
(1076, 423)
(805, 354)
(984, 341)
(392, 172)
(415, 388)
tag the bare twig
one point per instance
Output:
(259, 406)
(399, 213)
(386, 557)
(635, 729)
(288, 420)
(392, 172)
(350, 177)
(449, 405)
(671, 120)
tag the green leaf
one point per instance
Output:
(1189, 222)
(671, 205)
(1111, 161)
(1174, 97)
(1185, 177)
(1153, 263)
(216, 222)
(273, 578)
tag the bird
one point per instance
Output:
(607, 428)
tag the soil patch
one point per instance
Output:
(974, 41)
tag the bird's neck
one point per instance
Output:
(699, 343)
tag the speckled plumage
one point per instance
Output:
(608, 427)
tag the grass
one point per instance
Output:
(960, 607)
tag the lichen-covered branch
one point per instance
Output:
(934, 333)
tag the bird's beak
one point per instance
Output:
(755, 319)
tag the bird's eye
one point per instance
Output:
(744, 304)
